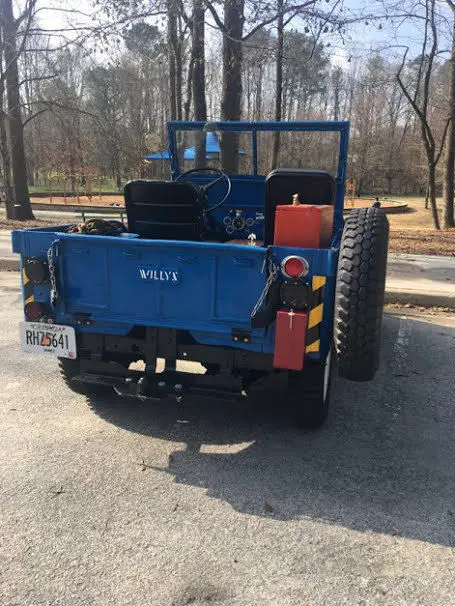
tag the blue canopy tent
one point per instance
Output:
(164, 155)
(212, 150)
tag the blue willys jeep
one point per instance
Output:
(201, 274)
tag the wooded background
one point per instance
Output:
(79, 99)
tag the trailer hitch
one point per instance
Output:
(169, 384)
(145, 387)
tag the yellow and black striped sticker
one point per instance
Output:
(314, 322)
(29, 295)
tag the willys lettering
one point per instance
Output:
(158, 274)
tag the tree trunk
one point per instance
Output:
(231, 97)
(179, 79)
(6, 159)
(389, 179)
(449, 159)
(279, 82)
(257, 115)
(432, 194)
(31, 177)
(21, 198)
(72, 165)
(172, 41)
(189, 89)
(6, 165)
(199, 101)
(336, 105)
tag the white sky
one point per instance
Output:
(360, 40)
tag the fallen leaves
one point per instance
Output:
(55, 492)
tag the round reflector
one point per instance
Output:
(294, 267)
(36, 271)
(34, 311)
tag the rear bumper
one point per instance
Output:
(169, 383)
(105, 360)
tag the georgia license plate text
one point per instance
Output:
(48, 338)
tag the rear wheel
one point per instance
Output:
(309, 392)
(70, 369)
(359, 297)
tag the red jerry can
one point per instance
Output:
(303, 225)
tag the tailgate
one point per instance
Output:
(192, 285)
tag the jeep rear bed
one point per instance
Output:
(111, 284)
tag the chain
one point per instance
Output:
(51, 264)
(273, 273)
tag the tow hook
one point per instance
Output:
(178, 387)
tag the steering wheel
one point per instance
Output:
(222, 177)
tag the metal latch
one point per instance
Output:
(241, 336)
(83, 319)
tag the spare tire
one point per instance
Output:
(359, 296)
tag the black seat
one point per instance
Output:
(312, 186)
(164, 210)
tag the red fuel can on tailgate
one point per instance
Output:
(303, 225)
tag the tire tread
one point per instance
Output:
(71, 368)
(359, 297)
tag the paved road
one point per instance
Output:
(107, 503)
(421, 279)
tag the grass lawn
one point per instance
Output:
(413, 231)
(107, 185)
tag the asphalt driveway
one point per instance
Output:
(110, 502)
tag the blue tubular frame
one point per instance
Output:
(255, 127)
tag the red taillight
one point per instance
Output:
(294, 267)
(34, 311)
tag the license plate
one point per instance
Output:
(52, 339)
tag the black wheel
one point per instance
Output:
(71, 368)
(359, 297)
(309, 392)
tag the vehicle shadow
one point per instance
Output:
(382, 463)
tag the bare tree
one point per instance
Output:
(279, 79)
(198, 75)
(4, 150)
(449, 158)
(231, 96)
(175, 59)
(419, 99)
(232, 28)
(82, 114)
(19, 206)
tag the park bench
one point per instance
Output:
(102, 212)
